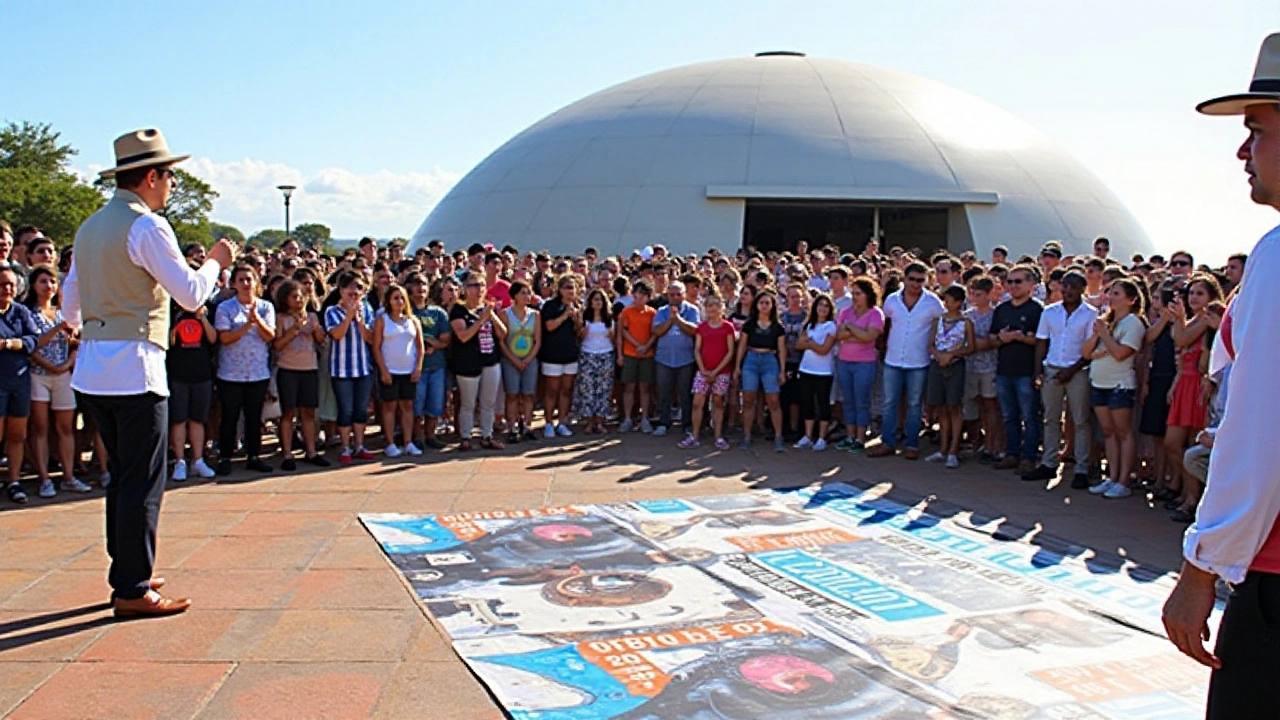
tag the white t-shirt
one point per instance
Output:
(813, 363)
(597, 340)
(399, 344)
(1107, 373)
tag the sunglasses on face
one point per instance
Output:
(915, 279)
(1180, 263)
(1016, 281)
(475, 285)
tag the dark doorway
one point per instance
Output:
(773, 225)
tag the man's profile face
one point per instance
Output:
(1235, 270)
(1261, 153)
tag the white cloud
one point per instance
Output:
(381, 204)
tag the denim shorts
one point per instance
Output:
(15, 397)
(519, 382)
(1113, 398)
(760, 372)
(429, 401)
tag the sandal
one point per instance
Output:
(491, 444)
(1164, 494)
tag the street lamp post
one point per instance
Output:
(288, 194)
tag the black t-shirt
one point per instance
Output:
(469, 358)
(1016, 359)
(764, 338)
(190, 356)
(559, 346)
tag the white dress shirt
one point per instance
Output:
(1242, 498)
(910, 330)
(1065, 332)
(134, 367)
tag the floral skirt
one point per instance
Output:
(593, 390)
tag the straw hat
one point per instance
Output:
(142, 148)
(1265, 88)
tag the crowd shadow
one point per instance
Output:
(35, 629)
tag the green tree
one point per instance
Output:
(270, 238)
(188, 207)
(36, 187)
(313, 234)
(218, 230)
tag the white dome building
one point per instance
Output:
(768, 150)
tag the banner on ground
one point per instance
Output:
(807, 604)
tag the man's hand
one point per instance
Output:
(223, 252)
(1186, 614)
(1064, 375)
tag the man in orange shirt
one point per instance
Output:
(635, 355)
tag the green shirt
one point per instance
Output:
(435, 322)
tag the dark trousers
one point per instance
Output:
(815, 397)
(135, 431)
(679, 379)
(1249, 647)
(237, 397)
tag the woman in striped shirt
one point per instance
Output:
(350, 324)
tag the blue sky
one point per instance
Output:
(377, 108)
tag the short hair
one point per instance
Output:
(1103, 241)
(435, 243)
(1095, 263)
(869, 287)
(476, 249)
(982, 283)
(366, 241)
(643, 287)
(1074, 276)
(955, 292)
(840, 270)
(1242, 257)
(491, 256)
(915, 266)
(591, 250)
(1000, 249)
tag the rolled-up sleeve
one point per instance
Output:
(1242, 497)
(154, 247)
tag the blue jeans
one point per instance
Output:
(897, 379)
(856, 381)
(352, 395)
(1018, 406)
(429, 401)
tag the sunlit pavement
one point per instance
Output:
(298, 615)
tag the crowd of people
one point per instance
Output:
(1027, 364)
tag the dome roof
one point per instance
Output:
(670, 157)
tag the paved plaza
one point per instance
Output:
(298, 614)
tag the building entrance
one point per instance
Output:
(774, 225)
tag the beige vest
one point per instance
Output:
(118, 299)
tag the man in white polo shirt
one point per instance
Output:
(909, 314)
(1064, 326)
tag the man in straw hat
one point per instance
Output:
(125, 268)
(1235, 535)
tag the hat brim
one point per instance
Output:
(149, 162)
(1236, 104)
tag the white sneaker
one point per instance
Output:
(936, 458)
(1102, 487)
(549, 430)
(47, 490)
(820, 445)
(75, 485)
(660, 431)
(645, 427)
(413, 450)
(180, 471)
(202, 469)
(803, 442)
(626, 426)
(563, 430)
(953, 462)
(1117, 491)
(392, 451)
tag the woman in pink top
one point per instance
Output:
(858, 327)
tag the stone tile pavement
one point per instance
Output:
(298, 615)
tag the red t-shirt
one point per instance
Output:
(715, 344)
(500, 290)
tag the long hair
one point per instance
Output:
(813, 309)
(604, 315)
(753, 319)
(1131, 291)
(36, 273)
(283, 291)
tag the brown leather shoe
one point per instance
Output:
(910, 453)
(1008, 463)
(153, 604)
(879, 451)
